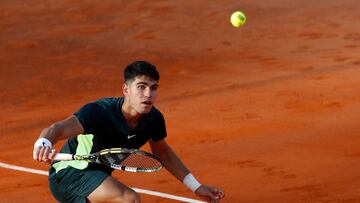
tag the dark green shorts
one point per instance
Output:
(73, 185)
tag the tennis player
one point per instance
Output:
(125, 122)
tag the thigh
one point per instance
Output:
(111, 190)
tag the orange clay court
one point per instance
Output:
(269, 111)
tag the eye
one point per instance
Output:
(142, 87)
(154, 88)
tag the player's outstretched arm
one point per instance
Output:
(43, 147)
(176, 167)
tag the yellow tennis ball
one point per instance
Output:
(238, 19)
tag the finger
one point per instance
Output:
(212, 195)
(203, 194)
(41, 153)
(218, 192)
(215, 190)
(45, 156)
(222, 194)
(36, 154)
(52, 154)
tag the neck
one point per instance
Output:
(131, 116)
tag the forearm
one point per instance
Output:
(43, 147)
(173, 164)
(177, 168)
(52, 133)
(62, 130)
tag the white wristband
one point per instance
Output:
(191, 182)
(42, 142)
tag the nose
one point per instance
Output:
(148, 93)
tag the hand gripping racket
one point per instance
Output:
(131, 160)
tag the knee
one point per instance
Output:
(130, 196)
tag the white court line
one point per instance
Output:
(149, 192)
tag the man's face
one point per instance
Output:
(141, 93)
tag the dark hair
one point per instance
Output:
(138, 68)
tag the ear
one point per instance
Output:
(125, 89)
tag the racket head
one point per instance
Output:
(131, 160)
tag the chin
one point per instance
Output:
(145, 111)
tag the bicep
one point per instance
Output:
(69, 127)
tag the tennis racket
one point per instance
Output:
(131, 160)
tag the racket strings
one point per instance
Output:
(140, 161)
(112, 158)
(133, 160)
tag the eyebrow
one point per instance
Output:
(144, 83)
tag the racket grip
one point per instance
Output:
(63, 157)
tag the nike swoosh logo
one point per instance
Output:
(131, 136)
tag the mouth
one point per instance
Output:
(147, 103)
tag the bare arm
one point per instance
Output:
(170, 160)
(64, 129)
(177, 168)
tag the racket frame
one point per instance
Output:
(94, 156)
